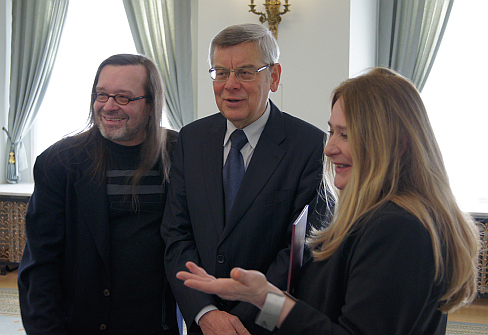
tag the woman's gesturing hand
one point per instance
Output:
(243, 285)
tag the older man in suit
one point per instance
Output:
(280, 157)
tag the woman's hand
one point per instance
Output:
(243, 285)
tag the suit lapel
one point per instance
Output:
(212, 151)
(265, 159)
(94, 210)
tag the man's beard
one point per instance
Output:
(121, 133)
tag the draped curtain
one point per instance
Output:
(161, 30)
(36, 31)
(409, 36)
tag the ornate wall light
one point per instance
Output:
(273, 14)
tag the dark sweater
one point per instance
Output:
(136, 241)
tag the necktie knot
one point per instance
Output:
(238, 139)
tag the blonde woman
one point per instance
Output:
(399, 254)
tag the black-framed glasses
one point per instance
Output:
(242, 73)
(121, 99)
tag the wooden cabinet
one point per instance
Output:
(12, 230)
(13, 206)
(482, 220)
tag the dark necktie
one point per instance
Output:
(234, 170)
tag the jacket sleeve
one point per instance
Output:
(176, 231)
(40, 269)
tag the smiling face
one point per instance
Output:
(337, 148)
(122, 124)
(243, 102)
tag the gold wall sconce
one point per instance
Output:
(273, 14)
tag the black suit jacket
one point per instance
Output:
(64, 275)
(282, 177)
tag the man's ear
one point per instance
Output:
(275, 76)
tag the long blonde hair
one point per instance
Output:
(396, 158)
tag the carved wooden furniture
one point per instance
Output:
(482, 220)
(13, 205)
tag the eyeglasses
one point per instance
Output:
(242, 73)
(121, 99)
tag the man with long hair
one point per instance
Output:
(94, 255)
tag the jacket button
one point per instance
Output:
(103, 326)
(106, 292)
(221, 303)
(220, 259)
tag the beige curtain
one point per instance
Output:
(36, 31)
(162, 31)
(409, 35)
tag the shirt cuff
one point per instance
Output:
(204, 310)
(268, 317)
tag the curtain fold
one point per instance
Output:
(409, 36)
(162, 31)
(36, 32)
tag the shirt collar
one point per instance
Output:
(253, 131)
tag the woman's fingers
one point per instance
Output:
(244, 285)
(197, 273)
(196, 269)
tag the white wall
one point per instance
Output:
(362, 43)
(314, 39)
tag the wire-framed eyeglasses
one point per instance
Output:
(121, 99)
(242, 73)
